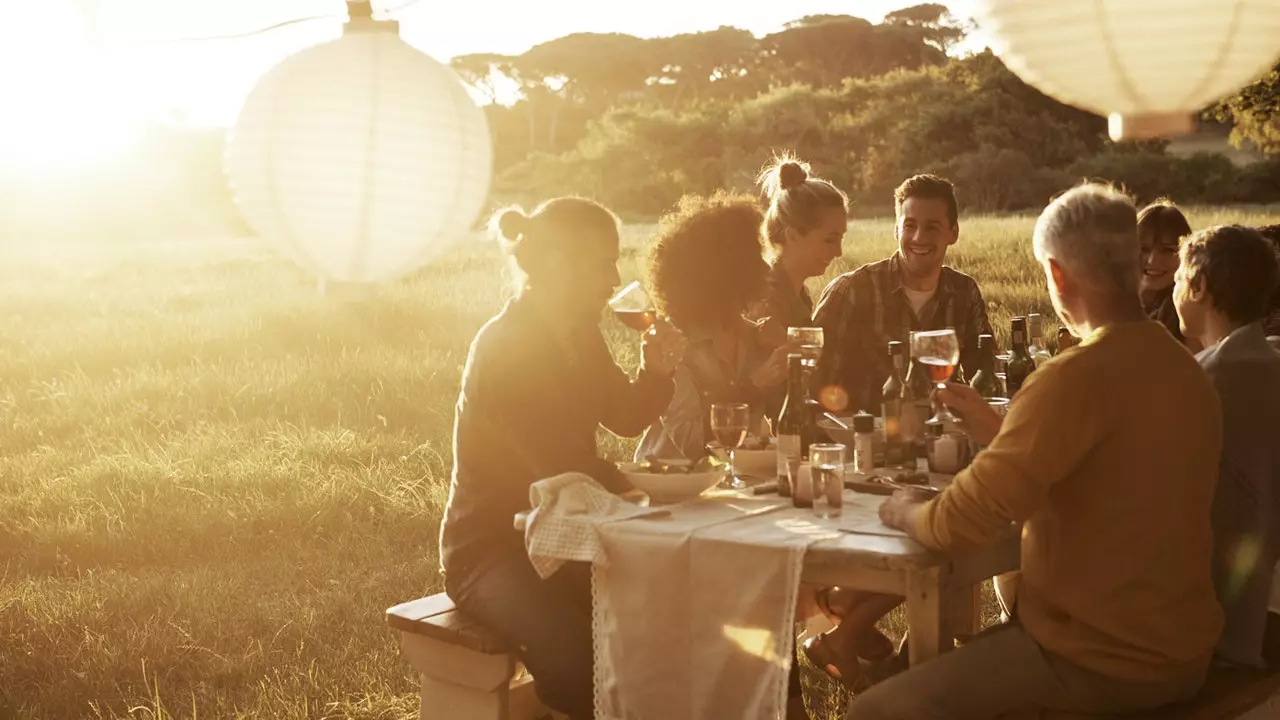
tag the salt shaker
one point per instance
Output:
(947, 449)
(864, 439)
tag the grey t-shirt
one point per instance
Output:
(1245, 369)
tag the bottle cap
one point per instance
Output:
(985, 341)
(1019, 323)
(864, 423)
(895, 348)
(933, 428)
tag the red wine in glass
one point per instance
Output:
(940, 369)
(640, 320)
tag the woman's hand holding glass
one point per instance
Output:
(773, 372)
(662, 348)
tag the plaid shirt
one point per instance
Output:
(861, 311)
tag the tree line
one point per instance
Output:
(637, 123)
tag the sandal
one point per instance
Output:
(845, 670)
(822, 598)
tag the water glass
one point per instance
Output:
(826, 467)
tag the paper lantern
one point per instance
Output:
(1147, 66)
(361, 158)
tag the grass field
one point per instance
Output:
(213, 481)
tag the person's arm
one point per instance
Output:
(509, 408)
(975, 323)
(1055, 424)
(683, 422)
(628, 407)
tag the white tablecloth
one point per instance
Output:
(694, 608)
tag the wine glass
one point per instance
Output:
(729, 422)
(809, 342)
(633, 307)
(938, 350)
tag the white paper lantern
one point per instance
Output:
(361, 158)
(1148, 66)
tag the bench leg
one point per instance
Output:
(441, 700)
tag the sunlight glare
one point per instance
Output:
(63, 107)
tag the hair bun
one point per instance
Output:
(512, 224)
(791, 174)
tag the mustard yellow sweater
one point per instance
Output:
(1110, 455)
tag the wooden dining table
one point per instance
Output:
(942, 592)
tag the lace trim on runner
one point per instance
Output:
(597, 647)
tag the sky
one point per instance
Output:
(80, 74)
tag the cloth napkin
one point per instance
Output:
(562, 526)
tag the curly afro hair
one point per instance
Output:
(706, 264)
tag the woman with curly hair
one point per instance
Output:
(703, 270)
(805, 226)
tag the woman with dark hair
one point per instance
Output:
(538, 382)
(1271, 325)
(1161, 227)
(703, 270)
(805, 226)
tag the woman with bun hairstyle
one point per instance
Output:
(539, 380)
(805, 226)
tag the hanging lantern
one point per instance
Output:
(1149, 67)
(362, 158)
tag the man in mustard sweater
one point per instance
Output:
(1109, 457)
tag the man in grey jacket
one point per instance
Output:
(1222, 294)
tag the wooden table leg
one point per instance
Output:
(925, 613)
(964, 610)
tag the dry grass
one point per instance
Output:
(213, 480)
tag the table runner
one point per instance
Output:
(694, 608)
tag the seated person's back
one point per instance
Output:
(1115, 563)
(1223, 293)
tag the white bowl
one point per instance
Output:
(672, 487)
(837, 433)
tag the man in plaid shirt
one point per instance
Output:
(861, 311)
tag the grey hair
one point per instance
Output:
(1092, 231)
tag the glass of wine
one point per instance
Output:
(729, 422)
(809, 343)
(939, 351)
(633, 307)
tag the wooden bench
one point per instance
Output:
(1225, 696)
(467, 672)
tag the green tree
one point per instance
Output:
(1254, 113)
(933, 23)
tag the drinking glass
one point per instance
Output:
(633, 307)
(809, 342)
(826, 467)
(729, 422)
(938, 350)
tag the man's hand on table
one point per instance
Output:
(899, 511)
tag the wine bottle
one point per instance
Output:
(891, 407)
(1036, 346)
(1019, 364)
(917, 407)
(985, 380)
(791, 424)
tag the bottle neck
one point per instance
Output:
(1019, 341)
